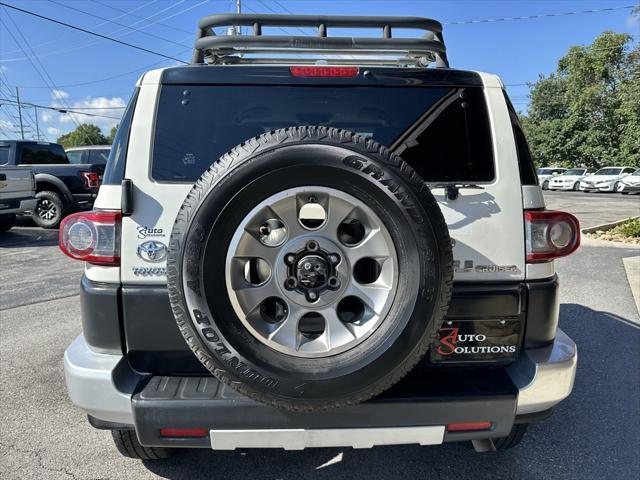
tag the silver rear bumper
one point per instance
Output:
(102, 386)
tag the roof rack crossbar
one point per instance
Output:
(222, 49)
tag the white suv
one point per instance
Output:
(351, 253)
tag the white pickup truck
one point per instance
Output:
(17, 194)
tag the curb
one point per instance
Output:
(606, 226)
(632, 269)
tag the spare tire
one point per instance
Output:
(309, 268)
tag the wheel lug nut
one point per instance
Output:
(312, 296)
(312, 245)
(334, 258)
(290, 283)
(334, 283)
(290, 259)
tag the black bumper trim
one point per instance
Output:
(423, 398)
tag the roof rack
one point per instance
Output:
(384, 50)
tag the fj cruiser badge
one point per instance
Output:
(152, 251)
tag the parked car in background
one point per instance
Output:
(630, 183)
(569, 180)
(61, 187)
(605, 180)
(546, 174)
(89, 155)
(17, 192)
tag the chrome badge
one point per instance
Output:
(152, 251)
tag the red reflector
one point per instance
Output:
(324, 71)
(468, 426)
(183, 432)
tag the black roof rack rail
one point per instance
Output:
(233, 49)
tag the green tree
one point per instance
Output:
(587, 113)
(112, 134)
(84, 134)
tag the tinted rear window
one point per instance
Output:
(196, 125)
(4, 154)
(37, 154)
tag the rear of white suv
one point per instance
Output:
(496, 360)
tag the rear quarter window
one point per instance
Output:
(442, 132)
(37, 154)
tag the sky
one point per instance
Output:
(53, 65)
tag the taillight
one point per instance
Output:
(92, 179)
(550, 234)
(323, 71)
(92, 236)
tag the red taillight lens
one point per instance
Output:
(92, 179)
(183, 432)
(322, 71)
(550, 235)
(92, 236)
(468, 426)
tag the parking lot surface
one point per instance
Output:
(594, 434)
(594, 208)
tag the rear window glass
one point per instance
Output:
(35, 154)
(75, 156)
(98, 157)
(196, 125)
(4, 155)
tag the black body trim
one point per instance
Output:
(543, 312)
(141, 315)
(100, 315)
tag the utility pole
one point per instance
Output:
(239, 10)
(37, 127)
(20, 112)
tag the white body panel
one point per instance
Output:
(486, 224)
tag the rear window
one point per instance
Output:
(442, 132)
(98, 157)
(37, 154)
(4, 154)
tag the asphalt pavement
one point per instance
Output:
(594, 434)
(594, 208)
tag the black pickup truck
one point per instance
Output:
(61, 186)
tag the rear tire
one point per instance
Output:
(545, 185)
(576, 186)
(129, 446)
(513, 439)
(49, 211)
(7, 222)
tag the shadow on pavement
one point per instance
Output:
(21, 237)
(592, 434)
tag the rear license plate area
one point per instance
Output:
(477, 341)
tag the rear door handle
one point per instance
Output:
(3, 176)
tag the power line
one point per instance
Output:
(152, 35)
(105, 37)
(60, 110)
(110, 5)
(541, 15)
(44, 72)
(57, 40)
(117, 33)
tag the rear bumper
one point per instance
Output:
(17, 205)
(107, 389)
